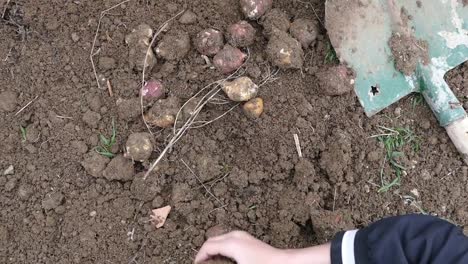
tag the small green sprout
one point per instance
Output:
(106, 144)
(23, 133)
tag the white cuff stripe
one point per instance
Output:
(347, 247)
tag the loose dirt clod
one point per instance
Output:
(163, 112)
(119, 169)
(254, 9)
(188, 17)
(275, 19)
(159, 216)
(253, 108)
(408, 52)
(241, 89)
(241, 34)
(174, 45)
(215, 231)
(284, 51)
(153, 90)
(7, 101)
(335, 80)
(126, 108)
(305, 31)
(139, 146)
(94, 163)
(229, 59)
(209, 42)
(138, 41)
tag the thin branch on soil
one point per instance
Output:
(145, 63)
(179, 132)
(298, 145)
(28, 104)
(217, 208)
(92, 53)
(199, 181)
(109, 88)
(5, 9)
(63, 117)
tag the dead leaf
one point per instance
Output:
(159, 216)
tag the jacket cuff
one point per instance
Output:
(350, 247)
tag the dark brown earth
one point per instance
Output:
(54, 211)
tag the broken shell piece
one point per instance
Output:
(159, 216)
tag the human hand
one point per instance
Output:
(242, 248)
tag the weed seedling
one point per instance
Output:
(394, 140)
(416, 100)
(330, 56)
(106, 144)
(23, 133)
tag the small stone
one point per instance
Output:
(163, 112)
(33, 135)
(253, 108)
(52, 200)
(241, 89)
(373, 156)
(79, 146)
(91, 119)
(9, 171)
(425, 175)
(7, 101)
(107, 63)
(92, 213)
(75, 37)
(120, 169)
(188, 17)
(94, 164)
(209, 42)
(139, 146)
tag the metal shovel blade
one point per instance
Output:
(360, 31)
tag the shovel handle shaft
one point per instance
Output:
(458, 132)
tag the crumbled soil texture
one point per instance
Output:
(408, 52)
(54, 211)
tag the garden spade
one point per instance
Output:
(397, 47)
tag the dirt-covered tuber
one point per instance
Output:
(163, 112)
(253, 108)
(138, 41)
(241, 89)
(254, 9)
(138, 146)
(336, 80)
(174, 45)
(209, 42)
(275, 20)
(284, 51)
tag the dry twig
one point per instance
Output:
(199, 181)
(28, 104)
(93, 53)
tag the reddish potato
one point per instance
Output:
(241, 34)
(209, 42)
(254, 9)
(153, 90)
(229, 59)
(305, 31)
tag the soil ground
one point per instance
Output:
(54, 212)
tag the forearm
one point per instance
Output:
(313, 255)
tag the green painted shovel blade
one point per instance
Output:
(360, 31)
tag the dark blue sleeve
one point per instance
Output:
(402, 239)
